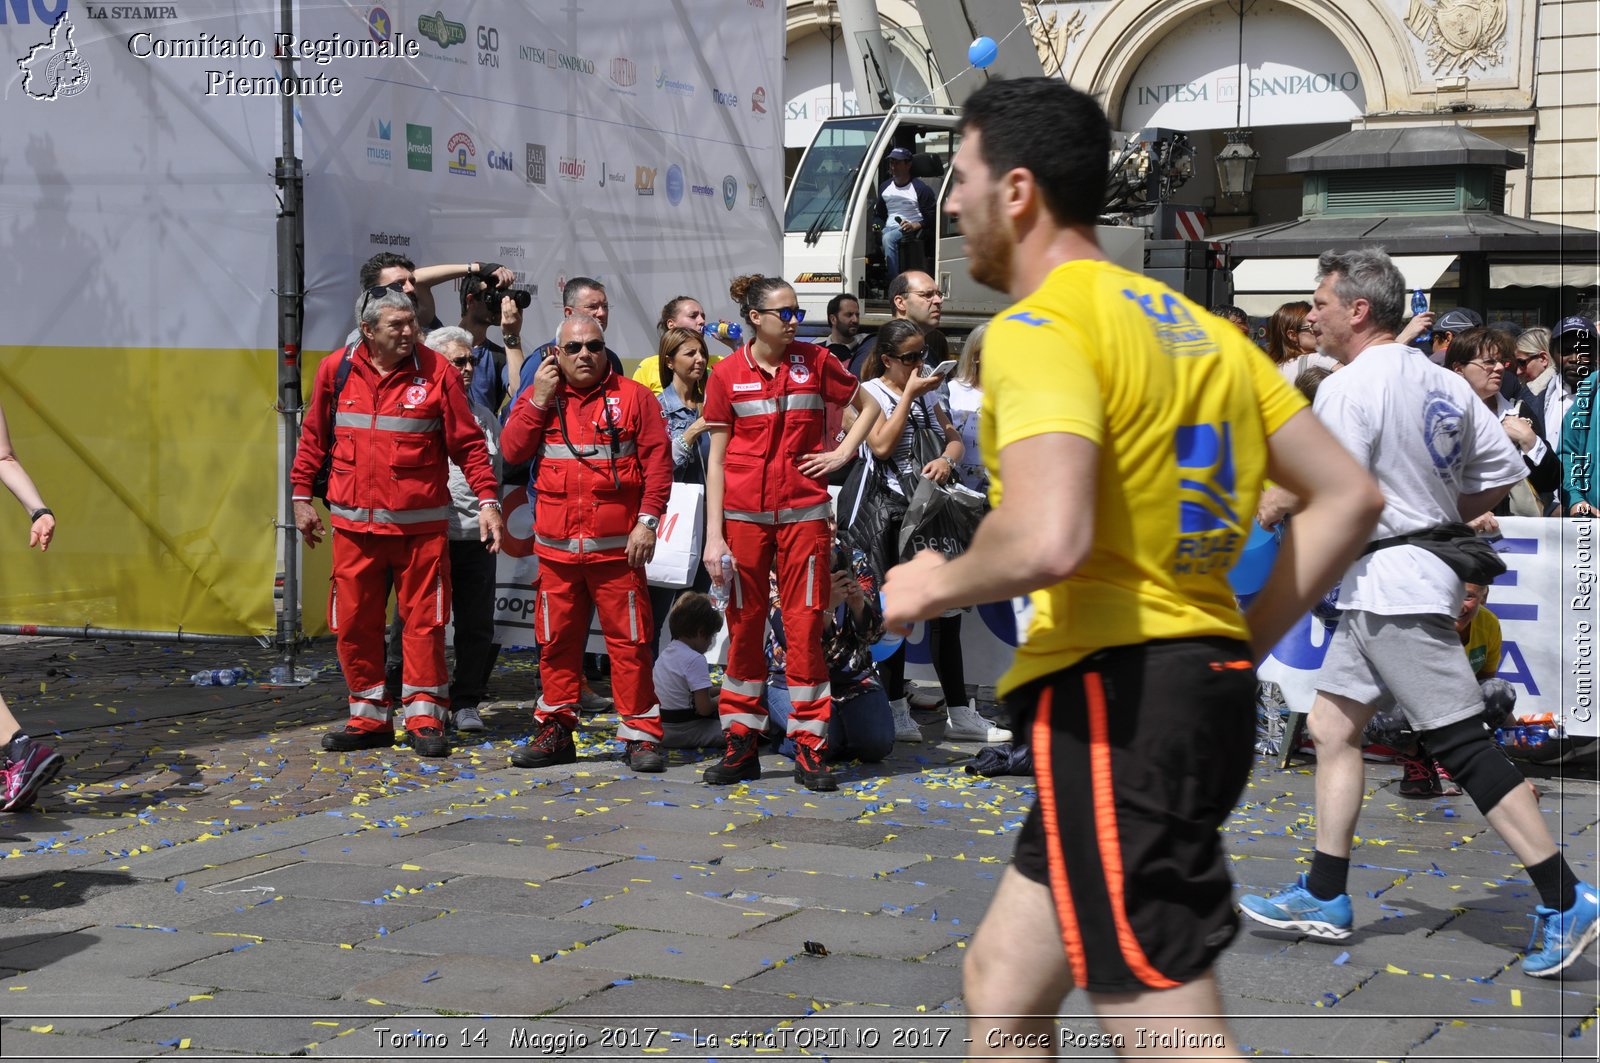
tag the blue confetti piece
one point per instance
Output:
(170, 1044)
(383, 932)
(675, 952)
(623, 981)
(1344, 958)
(586, 902)
(644, 856)
(1449, 813)
(935, 917)
(241, 948)
(179, 887)
(429, 977)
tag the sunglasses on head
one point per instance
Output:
(574, 346)
(785, 314)
(379, 292)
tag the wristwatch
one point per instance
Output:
(649, 521)
(512, 340)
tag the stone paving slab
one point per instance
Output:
(484, 985)
(683, 1008)
(616, 874)
(312, 970)
(482, 893)
(73, 1004)
(337, 882)
(527, 861)
(335, 922)
(680, 957)
(886, 936)
(810, 889)
(24, 1046)
(115, 952)
(252, 1022)
(682, 911)
(517, 937)
(1513, 1001)
(380, 848)
(861, 980)
(639, 841)
(827, 859)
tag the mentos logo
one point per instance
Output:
(674, 184)
(702, 190)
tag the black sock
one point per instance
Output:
(1557, 885)
(1329, 875)
(12, 746)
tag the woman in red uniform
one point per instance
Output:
(767, 499)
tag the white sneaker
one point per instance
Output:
(591, 703)
(924, 702)
(965, 725)
(905, 728)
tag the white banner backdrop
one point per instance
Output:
(634, 141)
(1545, 603)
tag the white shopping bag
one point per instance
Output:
(680, 538)
(516, 578)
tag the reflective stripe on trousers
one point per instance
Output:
(583, 546)
(820, 511)
(390, 516)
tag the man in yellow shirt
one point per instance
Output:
(1135, 685)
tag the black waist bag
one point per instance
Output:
(1470, 557)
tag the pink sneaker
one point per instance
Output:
(33, 766)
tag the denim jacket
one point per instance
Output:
(688, 463)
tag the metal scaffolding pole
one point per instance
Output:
(291, 307)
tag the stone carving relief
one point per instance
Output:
(1460, 34)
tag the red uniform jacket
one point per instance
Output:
(604, 460)
(776, 420)
(391, 438)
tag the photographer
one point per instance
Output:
(485, 302)
(386, 269)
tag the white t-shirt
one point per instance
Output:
(966, 402)
(1428, 439)
(920, 416)
(902, 201)
(680, 670)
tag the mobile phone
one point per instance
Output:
(944, 368)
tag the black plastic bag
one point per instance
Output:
(867, 507)
(942, 518)
(1007, 758)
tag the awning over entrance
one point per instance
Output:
(1261, 285)
(1545, 275)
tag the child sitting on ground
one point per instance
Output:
(683, 678)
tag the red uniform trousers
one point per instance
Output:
(568, 591)
(364, 565)
(802, 550)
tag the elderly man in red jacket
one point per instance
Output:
(389, 412)
(604, 471)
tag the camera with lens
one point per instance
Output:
(481, 286)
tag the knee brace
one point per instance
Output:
(1469, 754)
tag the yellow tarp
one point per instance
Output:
(162, 469)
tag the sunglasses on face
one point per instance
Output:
(573, 346)
(1521, 362)
(912, 358)
(463, 362)
(785, 314)
(1490, 365)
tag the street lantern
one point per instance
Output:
(1236, 165)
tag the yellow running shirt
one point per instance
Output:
(1180, 404)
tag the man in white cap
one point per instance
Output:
(905, 205)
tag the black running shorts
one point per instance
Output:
(1140, 752)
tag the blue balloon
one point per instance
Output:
(982, 52)
(1255, 562)
(885, 647)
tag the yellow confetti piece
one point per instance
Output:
(184, 1044)
(200, 996)
(42, 1029)
(347, 946)
(375, 1002)
(319, 1022)
(535, 958)
(409, 867)
(16, 988)
(1392, 969)
(1516, 998)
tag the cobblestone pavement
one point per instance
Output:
(202, 880)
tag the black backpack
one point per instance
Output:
(319, 483)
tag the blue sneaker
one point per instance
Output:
(1296, 909)
(1565, 934)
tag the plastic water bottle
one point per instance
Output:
(1419, 305)
(217, 677)
(282, 675)
(720, 595)
(727, 330)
